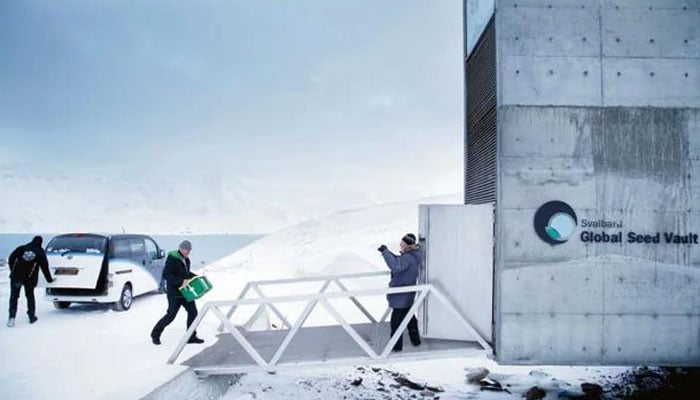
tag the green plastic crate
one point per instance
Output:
(196, 288)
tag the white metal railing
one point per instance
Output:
(313, 299)
(256, 287)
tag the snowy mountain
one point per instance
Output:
(107, 204)
(191, 202)
(344, 242)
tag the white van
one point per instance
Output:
(93, 268)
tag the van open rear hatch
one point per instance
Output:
(76, 260)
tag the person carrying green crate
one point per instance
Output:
(175, 274)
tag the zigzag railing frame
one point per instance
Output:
(327, 280)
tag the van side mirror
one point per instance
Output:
(161, 253)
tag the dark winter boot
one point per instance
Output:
(155, 338)
(195, 339)
(33, 319)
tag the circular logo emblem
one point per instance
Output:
(28, 256)
(555, 222)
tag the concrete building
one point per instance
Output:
(583, 142)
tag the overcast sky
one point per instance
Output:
(359, 93)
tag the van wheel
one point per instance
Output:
(61, 305)
(125, 300)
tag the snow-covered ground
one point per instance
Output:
(96, 353)
(84, 352)
(440, 378)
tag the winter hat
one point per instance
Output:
(409, 239)
(186, 245)
(37, 240)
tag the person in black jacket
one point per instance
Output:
(176, 273)
(25, 262)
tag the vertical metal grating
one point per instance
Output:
(480, 140)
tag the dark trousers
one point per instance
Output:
(14, 296)
(174, 304)
(397, 315)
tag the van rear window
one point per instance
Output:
(77, 244)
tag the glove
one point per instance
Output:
(381, 248)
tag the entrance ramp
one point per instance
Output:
(322, 345)
(239, 349)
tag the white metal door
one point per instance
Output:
(458, 245)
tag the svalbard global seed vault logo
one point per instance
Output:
(555, 222)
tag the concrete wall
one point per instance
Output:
(599, 107)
